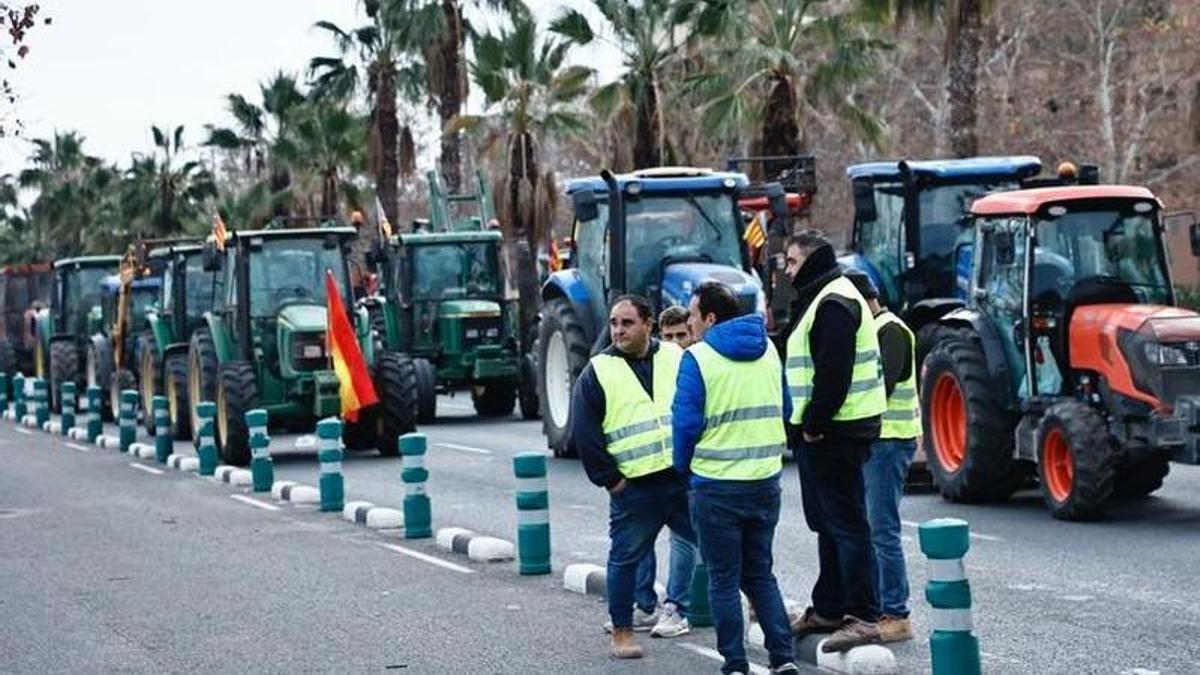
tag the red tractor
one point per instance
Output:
(24, 289)
(1069, 359)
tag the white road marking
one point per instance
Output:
(428, 558)
(254, 502)
(76, 446)
(716, 656)
(23, 430)
(147, 469)
(974, 535)
(464, 448)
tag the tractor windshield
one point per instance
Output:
(689, 226)
(458, 270)
(292, 270)
(81, 292)
(1109, 246)
(143, 297)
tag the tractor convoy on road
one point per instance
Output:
(1050, 343)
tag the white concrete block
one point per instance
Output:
(241, 477)
(445, 537)
(306, 442)
(350, 510)
(575, 576)
(865, 660)
(303, 494)
(380, 518)
(278, 487)
(489, 549)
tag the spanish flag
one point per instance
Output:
(220, 234)
(755, 235)
(355, 387)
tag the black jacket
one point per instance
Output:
(587, 420)
(895, 349)
(832, 347)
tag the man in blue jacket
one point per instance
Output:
(728, 433)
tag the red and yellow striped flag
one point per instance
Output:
(755, 235)
(354, 382)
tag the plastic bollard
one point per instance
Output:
(128, 419)
(533, 513)
(954, 650)
(262, 470)
(18, 386)
(163, 443)
(329, 454)
(95, 425)
(66, 392)
(699, 611)
(41, 402)
(418, 513)
(207, 450)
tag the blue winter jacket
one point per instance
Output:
(741, 339)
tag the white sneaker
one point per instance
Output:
(671, 623)
(642, 621)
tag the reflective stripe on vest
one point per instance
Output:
(902, 419)
(743, 436)
(637, 429)
(866, 396)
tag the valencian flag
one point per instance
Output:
(755, 235)
(354, 382)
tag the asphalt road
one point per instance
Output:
(1116, 596)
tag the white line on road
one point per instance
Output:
(428, 558)
(464, 448)
(716, 656)
(974, 535)
(254, 502)
(23, 430)
(76, 446)
(147, 469)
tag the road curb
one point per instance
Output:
(374, 517)
(586, 579)
(183, 462)
(228, 474)
(142, 451)
(108, 442)
(865, 660)
(290, 491)
(477, 547)
(77, 434)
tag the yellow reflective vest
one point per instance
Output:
(637, 429)
(902, 419)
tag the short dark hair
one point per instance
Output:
(716, 298)
(672, 316)
(807, 241)
(863, 283)
(640, 303)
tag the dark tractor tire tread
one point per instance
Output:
(426, 391)
(527, 392)
(1139, 479)
(8, 358)
(176, 373)
(498, 398)
(149, 387)
(120, 381)
(238, 390)
(1092, 455)
(203, 352)
(64, 367)
(557, 314)
(396, 385)
(988, 471)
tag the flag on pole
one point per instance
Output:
(756, 234)
(220, 234)
(385, 227)
(354, 382)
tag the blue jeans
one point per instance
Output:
(635, 517)
(884, 474)
(735, 521)
(679, 574)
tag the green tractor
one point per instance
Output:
(74, 315)
(187, 292)
(263, 344)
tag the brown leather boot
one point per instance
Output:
(624, 646)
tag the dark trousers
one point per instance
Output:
(833, 495)
(736, 521)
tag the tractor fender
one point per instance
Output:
(993, 347)
(161, 330)
(222, 337)
(928, 311)
(569, 284)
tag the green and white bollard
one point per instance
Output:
(128, 419)
(955, 651)
(418, 519)
(19, 407)
(163, 443)
(41, 401)
(699, 612)
(329, 454)
(67, 393)
(207, 450)
(262, 471)
(95, 425)
(533, 513)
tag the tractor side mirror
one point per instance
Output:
(584, 204)
(864, 201)
(211, 257)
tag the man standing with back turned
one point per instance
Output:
(836, 385)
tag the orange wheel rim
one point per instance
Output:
(1057, 466)
(949, 423)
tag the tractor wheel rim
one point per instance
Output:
(172, 401)
(558, 379)
(114, 396)
(1057, 466)
(222, 417)
(194, 394)
(147, 386)
(949, 423)
(38, 357)
(92, 380)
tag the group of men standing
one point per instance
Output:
(689, 431)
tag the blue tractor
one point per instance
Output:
(658, 233)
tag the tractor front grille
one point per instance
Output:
(481, 331)
(308, 352)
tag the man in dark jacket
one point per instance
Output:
(838, 398)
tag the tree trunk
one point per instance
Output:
(329, 196)
(780, 132)
(964, 77)
(522, 196)
(647, 143)
(386, 132)
(451, 95)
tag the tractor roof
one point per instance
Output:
(25, 268)
(665, 179)
(1029, 201)
(299, 232)
(164, 251)
(112, 283)
(1016, 166)
(89, 261)
(427, 238)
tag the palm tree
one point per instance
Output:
(73, 192)
(327, 146)
(163, 196)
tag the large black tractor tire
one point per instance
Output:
(1076, 461)
(149, 378)
(64, 367)
(527, 392)
(494, 398)
(8, 359)
(426, 391)
(363, 433)
(396, 384)
(175, 385)
(202, 377)
(378, 325)
(562, 352)
(1140, 478)
(237, 391)
(97, 373)
(968, 435)
(121, 380)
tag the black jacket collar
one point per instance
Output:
(818, 269)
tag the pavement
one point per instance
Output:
(224, 577)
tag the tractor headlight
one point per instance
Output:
(1164, 355)
(472, 333)
(493, 332)
(308, 350)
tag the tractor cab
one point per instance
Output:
(113, 355)
(73, 315)
(24, 291)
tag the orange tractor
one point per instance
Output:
(1069, 359)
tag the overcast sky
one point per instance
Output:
(111, 68)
